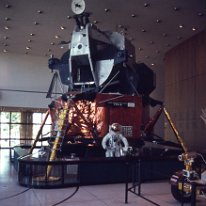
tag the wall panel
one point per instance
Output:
(20, 73)
(185, 85)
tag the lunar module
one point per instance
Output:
(107, 93)
(107, 96)
(105, 85)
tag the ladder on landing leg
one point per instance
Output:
(62, 128)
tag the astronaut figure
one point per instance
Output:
(115, 144)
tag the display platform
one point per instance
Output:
(92, 168)
(64, 172)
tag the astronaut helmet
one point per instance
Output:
(116, 127)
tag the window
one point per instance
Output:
(10, 129)
(37, 120)
(21, 127)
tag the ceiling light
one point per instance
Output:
(106, 10)
(69, 17)
(28, 48)
(152, 64)
(36, 23)
(62, 27)
(143, 30)
(32, 34)
(181, 26)
(6, 37)
(200, 14)
(95, 21)
(6, 27)
(176, 8)
(158, 21)
(29, 40)
(7, 6)
(56, 36)
(7, 19)
(140, 49)
(133, 15)
(62, 47)
(146, 4)
(5, 50)
(39, 11)
(194, 29)
(52, 43)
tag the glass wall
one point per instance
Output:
(10, 129)
(21, 128)
(37, 119)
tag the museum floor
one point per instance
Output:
(93, 195)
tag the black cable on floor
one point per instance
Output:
(77, 188)
(17, 194)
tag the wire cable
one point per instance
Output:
(202, 157)
(17, 194)
(77, 188)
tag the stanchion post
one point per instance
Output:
(127, 181)
(139, 177)
(193, 196)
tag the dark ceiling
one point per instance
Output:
(36, 27)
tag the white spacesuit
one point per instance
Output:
(115, 144)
